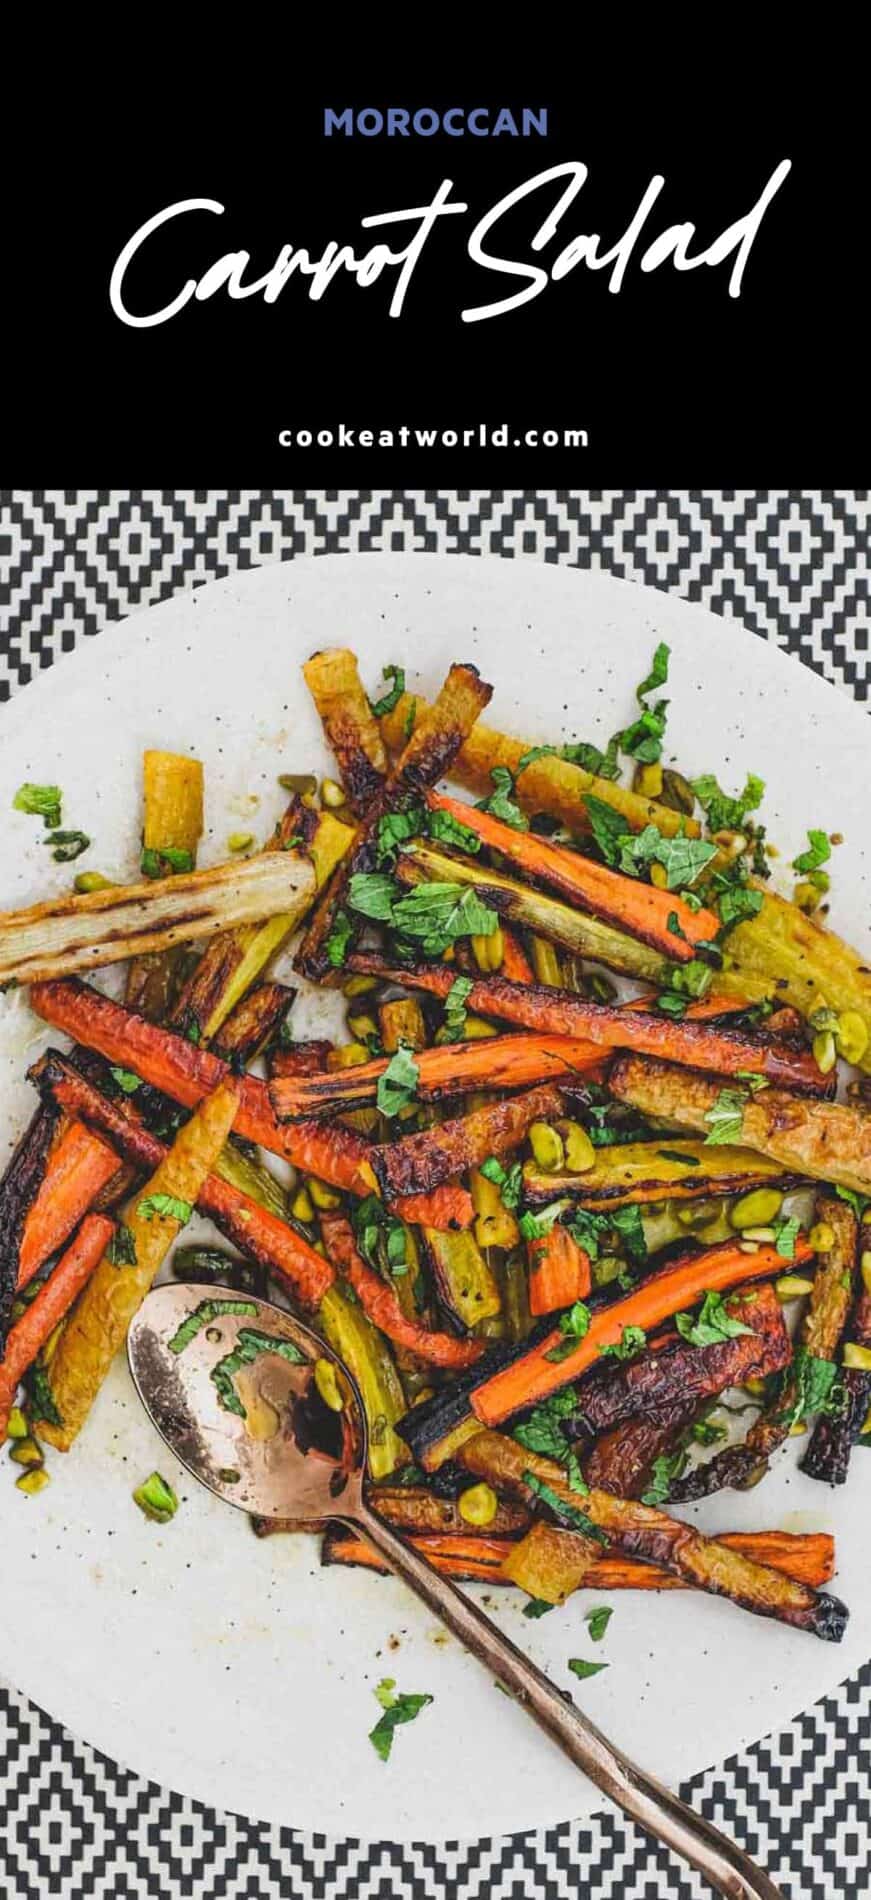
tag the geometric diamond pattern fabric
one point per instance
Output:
(795, 566)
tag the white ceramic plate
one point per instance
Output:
(238, 1672)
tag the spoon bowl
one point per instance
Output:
(236, 1388)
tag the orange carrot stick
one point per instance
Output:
(533, 1376)
(379, 1301)
(188, 1074)
(515, 962)
(807, 1558)
(563, 1028)
(79, 1166)
(53, 1300)
(642, 909)
(559, 1271)
(500, 1062)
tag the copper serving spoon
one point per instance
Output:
(197, 1353)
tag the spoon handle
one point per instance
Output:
(644, 1799)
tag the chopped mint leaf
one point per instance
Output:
(161, 863)
(121, 1250)
(398, 1084)
(725, 1117)
(811, 1386)
(597, 1621)
(568, 1514)
(396, 1710)
(454, 1021)
(722, 812)
(574, 1326)
(634, 1340)
(40, 801)
(437, 914)
(665, 1469)
(126, 1080)
(580, 1667)
(537, 1607)
(66, 846)
(391, 698)
(501, 803)
(373, 894)
(713, 1324)
(167, 1206)
(508, 1180)
(339, 939)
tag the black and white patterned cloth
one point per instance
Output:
(795, 567)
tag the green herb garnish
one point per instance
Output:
(568, 1514)
(203, 1316)
(380, 1236)
(126, 1080)
(121, 1250)
(809, 862)
(501, 802)
(508, 1180)
(454, 1021)
(632, 1341)
(396, 1710)
(159, 863)
(665, 1469)
(811, 1386)
(722, 812)
(249, 1345)
(537, 1607)
(574, 1326)
(580, 1667)
(597, 1621)
(713, 1325)
(66, 846)
(391, 698)
(338, 940)
(725, 1117)
(40, 801)
(398, 1083)
(167, 1206)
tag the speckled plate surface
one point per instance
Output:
(238, 1672)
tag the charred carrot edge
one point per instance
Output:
(302, 1058)
(559, 1271)
(642, 1530)
(419, 1163)
(466, 1558)
(503, 1062)
(252, 1022)
(807, 1558)
(437, 979)
(672, 1371)
(534, 1376)
(381, 1305)
(429, 751)
(552, 1013)
(639, 908)
(253, 1229)
(187, 1073)
(79, 1166)
(515, 962)
(53, 1300)
(350, 726)
(18, 1191)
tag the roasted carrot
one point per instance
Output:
(18, 1191)
(551, 1563)
(253, 1228)
(419, 1163)
(515, 962)
(548, 783)
(628, 902)
(79, 1166)
(301, 1058)
(534, 1375)
(724, 1049)
(466, 1558)
(249, 1026)
(349, 723)
(428, 753)
(379, 1301)
(559, 1271)
(829, 1140)
(806, 1558)
(38, 1321)
(188, 1073)
(641, 1530)
(503, 1062)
